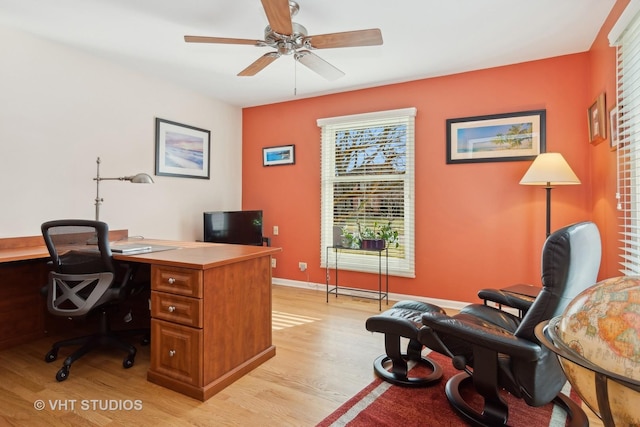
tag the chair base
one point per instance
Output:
(104, 338)
(496, 412)
(400, 376)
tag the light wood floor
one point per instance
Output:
(324, 356)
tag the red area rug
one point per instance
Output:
(383, 404)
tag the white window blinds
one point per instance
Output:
(368, 170)
(627, 42)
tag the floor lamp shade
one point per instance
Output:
(548, 170)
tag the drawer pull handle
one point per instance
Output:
(171, 280)
(171, 309)
(172, 353)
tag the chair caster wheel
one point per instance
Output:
(51, 356)
(63, 373)
(128, 362)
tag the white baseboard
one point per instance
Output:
(322, 287)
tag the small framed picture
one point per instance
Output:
(614, 138)
(597, 120)
(182, 150)
(281, 155)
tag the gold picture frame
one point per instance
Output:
(596, 117)
(614, 137)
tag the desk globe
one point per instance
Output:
(597, 340)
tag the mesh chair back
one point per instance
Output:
(78, 246)
(83, 270)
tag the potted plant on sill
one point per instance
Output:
(377, 236)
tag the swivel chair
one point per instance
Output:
(498, 350)
(85, 280)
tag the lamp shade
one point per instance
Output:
(549, 169)
(141, 178)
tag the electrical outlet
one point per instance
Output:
(275, 230)
(273, 263)
(302, 266)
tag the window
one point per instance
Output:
(625, 35)
(368, 178)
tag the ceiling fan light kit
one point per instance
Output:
(291, 38)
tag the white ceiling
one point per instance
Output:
(422, 38)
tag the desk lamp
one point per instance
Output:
(549, 169)
(141, 178)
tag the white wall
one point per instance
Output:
(61, 108)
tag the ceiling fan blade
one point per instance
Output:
(317, 64)
(259, 64)
(371, 37)
(222, 40)
(279, 16)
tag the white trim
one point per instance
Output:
(376, 115)
(322, 287)
(623, 21)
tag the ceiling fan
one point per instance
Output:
(290, 38)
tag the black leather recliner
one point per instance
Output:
(498, 350)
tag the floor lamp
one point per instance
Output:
(141, 178)
(549, 169)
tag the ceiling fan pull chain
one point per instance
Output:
(295, 76)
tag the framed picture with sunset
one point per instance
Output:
(496, 138)
(182, 150)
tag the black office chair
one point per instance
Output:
(498, 350)
(85, 280)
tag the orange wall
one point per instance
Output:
(602, 60)
(475, 225)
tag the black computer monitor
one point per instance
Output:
(237, 227)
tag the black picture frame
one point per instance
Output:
(504, 137)
(279, 155)
(182, 150)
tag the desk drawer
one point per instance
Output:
(175, 351)
(176, 280)
(176, 308)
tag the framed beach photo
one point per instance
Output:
(497, 137)
(182, 150)
(281, 155)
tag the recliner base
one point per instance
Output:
(400, 376)
(495, 412)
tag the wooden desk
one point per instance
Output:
(210, 314)
(210, 311)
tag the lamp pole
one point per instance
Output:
(141, 178)
(548, 188)
(99, 199)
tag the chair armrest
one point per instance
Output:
(519, 301)
(481, 333)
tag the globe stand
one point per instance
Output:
(547, 337)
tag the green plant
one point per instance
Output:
(351, 239)
(380, 232)
(384, 231)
